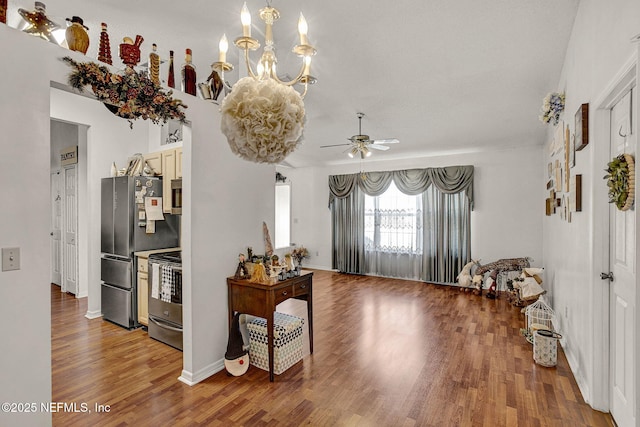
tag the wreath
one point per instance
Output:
(621, 181)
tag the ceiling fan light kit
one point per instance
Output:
(362, 144)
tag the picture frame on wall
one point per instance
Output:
(575, 195)
(572, 151)
(171, 132)
(582, 127)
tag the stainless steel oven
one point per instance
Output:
(165, 298)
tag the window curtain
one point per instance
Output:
(447, 194)
(347, 224)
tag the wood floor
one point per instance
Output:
(386, 353)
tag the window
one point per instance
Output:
(283, 216)
(393, 222)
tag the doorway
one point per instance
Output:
(622, 279)
(615, 119)
(66, 170)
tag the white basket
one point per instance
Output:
(545, 347)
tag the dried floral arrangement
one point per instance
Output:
(552, 106)
(262, 120)
(131, 95)
(299, 254)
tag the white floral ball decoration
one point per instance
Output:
(262, 120)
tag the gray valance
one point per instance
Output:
(449, 180)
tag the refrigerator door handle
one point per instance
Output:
(163, 325)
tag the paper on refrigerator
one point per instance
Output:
(153, 208)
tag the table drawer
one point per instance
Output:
(283, 294)
(301, 288)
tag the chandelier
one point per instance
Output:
(266, 67)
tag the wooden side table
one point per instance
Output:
(261, 299)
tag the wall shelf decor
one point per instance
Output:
(582, 127)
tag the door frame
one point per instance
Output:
(626, 79)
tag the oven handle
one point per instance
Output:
(164, 325)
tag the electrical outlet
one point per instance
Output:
(317, 253)
(10, 259)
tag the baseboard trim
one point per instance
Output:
(580, 380)
(192, 379)
(93, 314)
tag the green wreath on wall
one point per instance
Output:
(621, 181)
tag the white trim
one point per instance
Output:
(192, 379)
(93, 314)
(598, 395)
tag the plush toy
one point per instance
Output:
(464, 278)
(502, 265)
(528, 284)
(477, 283)
(492, 283)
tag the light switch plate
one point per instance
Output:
(10, 259)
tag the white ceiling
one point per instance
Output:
(442, 76)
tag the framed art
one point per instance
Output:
(549, 207)
(575, 195)
(572, 151)
(582, 127)
(171, 132)
(567, 150)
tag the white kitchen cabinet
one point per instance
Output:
(168, 164)
(154, 161)
(179, 162)
(168, 173)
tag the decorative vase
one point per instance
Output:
(104, 52)
(76, 35)
(154, 65)
(130, 51)
(188, 75)
(171, 80)
(38, 24)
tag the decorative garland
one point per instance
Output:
(262, 120)
(621, 180)
(131, 95)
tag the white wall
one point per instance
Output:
(24, 174)
(573, 252)
(505, 187)
(226, 200)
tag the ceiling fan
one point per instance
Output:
(362, 144)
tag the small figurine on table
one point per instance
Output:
(241, 272)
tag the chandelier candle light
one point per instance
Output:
(263, 116)
(266, 67)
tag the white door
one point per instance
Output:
(70, 215)
(622, 259)
(56, 233)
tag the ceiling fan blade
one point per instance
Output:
(333, 145)
(386, 141)
(378, 147)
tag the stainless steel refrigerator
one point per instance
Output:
(125, 229)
